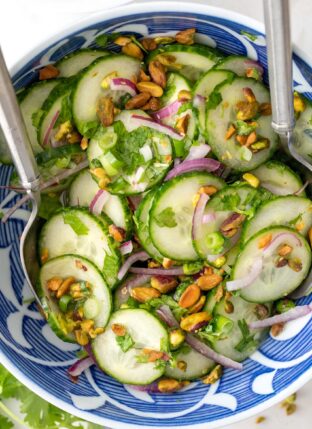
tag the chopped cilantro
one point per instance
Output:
(214, 100)
(192, 267)
(243, 128)
(104, 39)
(248, 341)
(65, 112)
(250, 36)
(36, 117)
(125, 342)
(71, 219)
(166, 218)
(88, 129)
(160, 364)
(111, 266)
(142, 358)
(297, 219)
(184, 107)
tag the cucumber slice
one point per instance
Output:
(70, 266)
(76, 61)
(211, 301)
(205, 86)
(88, 89)
(272, 283)
(235, 63)
(303, 131)
(197, 365)
(243, 310)
(291, 211)
(74, 230)
(31, 102)
(241, 199)
(190, 61)
(57, 103)
(221, 116)
(142, 222)
(119, 152)
(278, 178)
(147, 332)
(172, 213)
(82, 191)
(175, 83)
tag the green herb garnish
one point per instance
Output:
(75, 223)
(166, 218)
(125, 342)
(248, 341)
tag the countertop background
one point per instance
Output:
(25, 23)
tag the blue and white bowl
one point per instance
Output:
(38, 359)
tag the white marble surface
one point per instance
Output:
(24, 23)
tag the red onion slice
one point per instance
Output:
(280, 239)
(50, 128)
(98, 202)
(134, 201)
(302, 188)
(80, 366)
(209, 353)
(198, 152)
(166, 316)
(122, 84)
(198, 216)
(139, 256)
(293, 314)
(246, 281)
(209, 217)
(149, 122)
(148, 388)
(205, 164)
(158, 271)
(126, 247)
(166, 111)
(199, 100)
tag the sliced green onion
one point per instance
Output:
(64, 302)
(284, 305)
(223, 326)
(215, 242)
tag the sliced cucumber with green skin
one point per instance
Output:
(243, 311)
(75, 230)
(31, 101)
(237, 64)
(83, 190)
(272, 283)
(278, 178)
(211, 301)
(53, 109)
(291, 211)
(197, 366)
(241, 199)
(76, 61)
(175, 83)
(88, 89)
(142, 221)
(122, 154)
(219, 118)
(191, 61)
(82, 270)
(146, 331)
(303, 131)
(171, 215)
(205, 86)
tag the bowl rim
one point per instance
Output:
(93, 18)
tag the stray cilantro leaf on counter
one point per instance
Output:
(75, 223)
(125, 342)
(248, 341)
(166, 218)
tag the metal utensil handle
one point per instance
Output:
(14, 131)
(277, 25)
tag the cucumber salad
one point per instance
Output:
(185, 232)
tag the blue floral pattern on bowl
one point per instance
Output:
(39, 358)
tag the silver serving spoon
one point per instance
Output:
(278, 39)
(18, 143)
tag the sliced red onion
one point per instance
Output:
(134, 201)
(139, 256)
(136, 281)
(302, 188)
(304, 289)
(198, 216)
(57, 143)
(280, 239)
(50, 128)
(148, 388)
(122, 84)
(209, 353)
(205, 164)
(198, 152)
(209, 217)
(149, 122)
(80, 366)
(166, 111)
(123, 291)
(293, 314)
(246, 281)
(251, 64)
(146, 152)
(158, 271)
(177, 161)
(166, 316)
(199, 100)
(98, 202)
(126, 247)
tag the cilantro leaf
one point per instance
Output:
(5, 423)
(184, 107)
(48, 205)
(111, 266)
(214, 100)
(177, 311)
(88, 129)
(36, 117)
(104, 39)
(192, 267)
(248, 341)
(166, 218)
(249, 36)
(243, 128)
(65, 112)
(125, 342)
(75, 223)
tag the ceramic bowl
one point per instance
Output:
(38, 359)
